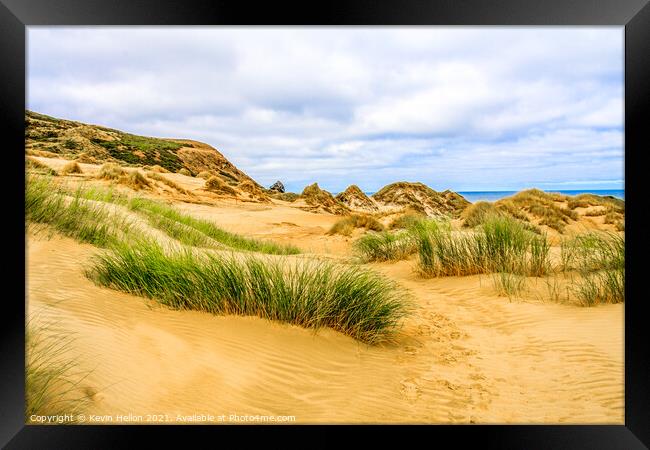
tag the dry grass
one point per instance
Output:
(185, 172)
(348, 224)
(216, 184)
(477, 213)
(156, 176)
(541, 205)
(158, 169)
(31, 163)
(111, 171)
(206, 174)
(253, 190)
(42, 153)
(86, 158)
(71, 167)
(285, 196)
(596, 212)
(136, 180)
(586, 200)
(406, 220)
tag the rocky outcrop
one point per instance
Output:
(277, 187)
(318, 199)
(422, 198)
(355, 199)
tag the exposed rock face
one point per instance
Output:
(320, 200)
(355, 199)
(421, 198)
(277, 186)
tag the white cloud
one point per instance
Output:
(353, 105)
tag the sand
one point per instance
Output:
(465, 356)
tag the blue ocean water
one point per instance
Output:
(491, 196)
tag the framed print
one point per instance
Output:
(370, 214)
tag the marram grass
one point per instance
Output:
(203, 233)
(354, 301)
(384, 246)
(499, 245)
(51, 378)
(599, 259)
(71, 215)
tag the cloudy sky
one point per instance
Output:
(480, 108)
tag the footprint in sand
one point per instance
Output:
(410, 389)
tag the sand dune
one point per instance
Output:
(466, 356)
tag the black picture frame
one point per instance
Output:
(634, 15)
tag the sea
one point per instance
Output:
(491, 196)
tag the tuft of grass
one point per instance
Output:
(180, 226)
(205, 174)
(74, 217)
(346, 225)
(509, 284)
(84, 157)
(111, 171)
(51, 378)
(354, 301)
(384, 246)
(71, 167)
(32, 163)
(136, 180)
(156, 176)
(596, 212)
(500, 244)
(216, 184)
(477, 213)
(599, 259)
(406, 220)
(184, 171)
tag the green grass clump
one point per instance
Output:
(354, 301)
(384, 246)
(509, 284)
(500, 244)
(176, 224)
(156, 151)
(599, 259)
(46, 203)
(51, 378)
(346, 225)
